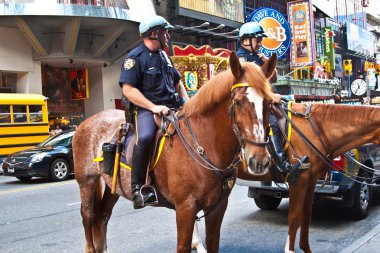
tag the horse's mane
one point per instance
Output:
(219, 89)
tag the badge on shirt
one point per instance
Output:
(242, 59)
(129, 63)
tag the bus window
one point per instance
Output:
(35, 112)
(19, 113)
(5, 116)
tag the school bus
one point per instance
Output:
(23, 121)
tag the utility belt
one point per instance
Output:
(173, 103)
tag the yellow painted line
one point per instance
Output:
(73, 32)
(34, 41)
(37, 187)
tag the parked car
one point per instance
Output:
(52, 158)
(355, 196)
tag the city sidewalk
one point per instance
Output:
(370, 242)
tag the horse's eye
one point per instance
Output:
(238, 103)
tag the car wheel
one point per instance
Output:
(24, 179)
(59, 170)
(266, 202)
(362, 197)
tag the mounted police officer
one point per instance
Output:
(150, 81)
(251, 35)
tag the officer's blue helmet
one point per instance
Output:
(251, 29)
(153, 23)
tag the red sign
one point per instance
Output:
(79, 83)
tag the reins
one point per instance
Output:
(325, 159)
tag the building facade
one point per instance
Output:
(46, 45)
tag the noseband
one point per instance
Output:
(235, 127)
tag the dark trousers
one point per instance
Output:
(146, 129)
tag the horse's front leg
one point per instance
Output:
(185, 217)
(305, 219)
(296, 200)
(196, 243)
(213, 224)
(103, 212)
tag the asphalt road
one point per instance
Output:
(45, 217)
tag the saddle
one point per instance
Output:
(127, 142)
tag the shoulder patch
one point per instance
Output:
(129, 63)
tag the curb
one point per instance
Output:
(363, 240)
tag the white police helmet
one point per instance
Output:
(153, 23)
(251, 29)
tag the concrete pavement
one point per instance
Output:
(370, 242)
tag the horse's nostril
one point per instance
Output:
(252, 163)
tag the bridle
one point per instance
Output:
(232, 112)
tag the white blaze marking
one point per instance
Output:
(253, 97)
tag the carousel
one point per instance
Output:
(198, 65)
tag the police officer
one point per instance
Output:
(251, 35)
(149, 80)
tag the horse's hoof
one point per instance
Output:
(199, 247)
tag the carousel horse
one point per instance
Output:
(230, 113)
(332, 130)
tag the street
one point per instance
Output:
(40, 216)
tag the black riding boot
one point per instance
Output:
(141, 198)
(291, 169)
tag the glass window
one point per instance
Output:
(35, 112)
(19, 113)
(5, 116)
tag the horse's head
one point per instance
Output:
(250, 100)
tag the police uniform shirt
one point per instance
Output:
(248, 56)
(151, 72)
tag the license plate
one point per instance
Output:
(11, 170)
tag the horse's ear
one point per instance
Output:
(270, 65)
(235, 65)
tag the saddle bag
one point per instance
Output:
(109, 152)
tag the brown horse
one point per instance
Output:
(342, 128)
(229, 113)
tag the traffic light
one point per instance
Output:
(347, 67)
(326, 67)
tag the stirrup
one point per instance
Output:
(303, 165)
(149, 195)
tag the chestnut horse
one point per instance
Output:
(229, 113)
(342, 128)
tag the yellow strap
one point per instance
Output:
(123, 165)
(99, 158)
(289, 126)
(160, 147)
(238, 85)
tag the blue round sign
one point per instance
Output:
(277, 28)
